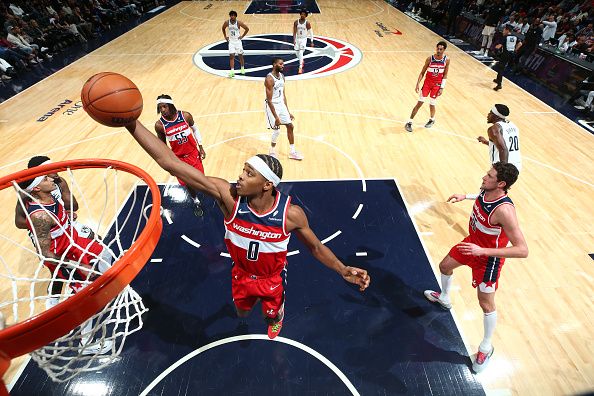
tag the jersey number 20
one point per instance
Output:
(513, 143)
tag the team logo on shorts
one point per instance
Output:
(327, 56)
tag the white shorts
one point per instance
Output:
(235, 47)
(281, 111)
(300, 44)
(488, 30)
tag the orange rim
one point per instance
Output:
(41, 329)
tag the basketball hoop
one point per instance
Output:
(93, 320)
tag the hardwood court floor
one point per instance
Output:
(350, 125)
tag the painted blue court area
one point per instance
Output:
(388, 340)
(282, 7)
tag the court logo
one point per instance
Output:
(383, 30)
(328, 56)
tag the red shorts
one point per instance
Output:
(430, 90)
(193, 160)
(485, 270)
(246, 289)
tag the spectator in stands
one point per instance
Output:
(586, 30)
(566, 41)
(513, 24)
(15, 37)
(454, 9)
(5, 70)
(550, 27)
(492, 18)
(30, 59)
(531, 40)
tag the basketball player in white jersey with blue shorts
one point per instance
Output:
(276, 109)
(504, 137)
(301, 30)
(234, 39)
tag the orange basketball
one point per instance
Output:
(111, 99)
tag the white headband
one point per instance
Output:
(38, 179)
(35, 183)
(258, 164)
(498, 114)
(169, 101)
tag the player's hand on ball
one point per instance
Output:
(470, 249)
(456, 198)
(356, 276)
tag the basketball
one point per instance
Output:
(111, 99)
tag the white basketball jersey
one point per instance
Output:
(234, 33)
(278, 95)
(511, 137)
(510, 43)
(301, 30)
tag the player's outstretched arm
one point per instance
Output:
(297, 221)
(217, 188)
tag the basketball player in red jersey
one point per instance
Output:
(177, 127)
(435, 71)
(61, 241)
(259, 220)
(493, 223)
(61, 193)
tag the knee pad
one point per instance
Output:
(433, 101)
(275, 133)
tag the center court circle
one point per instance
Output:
(328, 56)
(263, 337)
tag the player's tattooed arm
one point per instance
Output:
(42, 224)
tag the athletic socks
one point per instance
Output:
(489, 321)
(446, 283)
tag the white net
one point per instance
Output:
(67, 249)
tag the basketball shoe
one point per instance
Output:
(231, 74)
(408, 126)
(434, 296)
(242, 71)
(272, 153)
(482, 359)
(274, 329)
(430, 123)
(296, 155)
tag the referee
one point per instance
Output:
(508, 49)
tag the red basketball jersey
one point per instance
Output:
(480, 229)
(180, 135)
(257, 242)
(434, 75)
(62, 223)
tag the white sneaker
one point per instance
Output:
(272, 153)
(433, 296)
(481, 360)
(296, 155)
